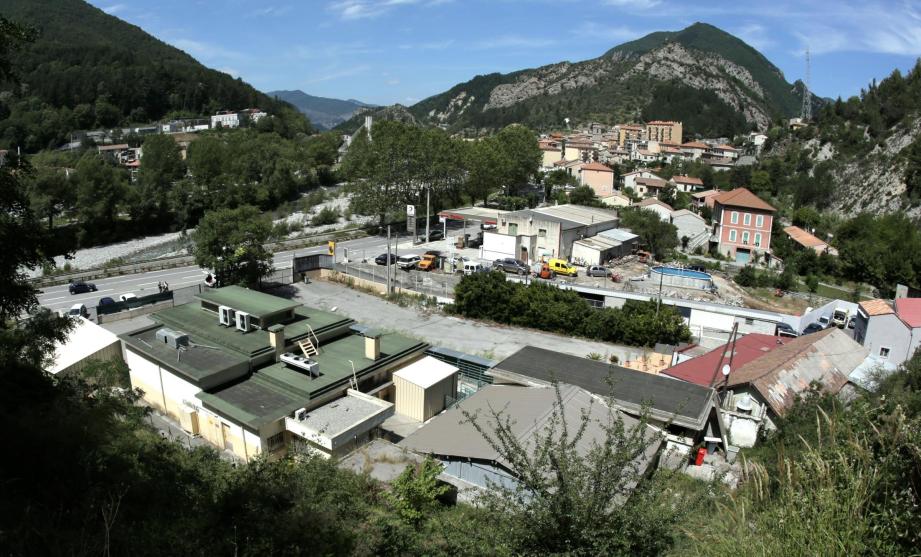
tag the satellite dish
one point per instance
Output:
(566, 120)
(725, 369)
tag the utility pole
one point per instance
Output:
(806, 111)
(428, 192)
(389, 262)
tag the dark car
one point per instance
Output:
(435, 234)
(510, 265)
(105, 301)
(784, 330)
(813, 328)
(81, 287)
(382, 259)
(597, 271)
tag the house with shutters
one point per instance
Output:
(742, 225)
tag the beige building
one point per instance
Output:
(424, 388)
(628, 133)
(664, 130)
(599, 177)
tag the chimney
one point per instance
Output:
(372, 345)
(277, 339)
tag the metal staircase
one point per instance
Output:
(310, 347)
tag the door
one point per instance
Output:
(225, 435)
(742, 256)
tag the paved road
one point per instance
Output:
(58, 297)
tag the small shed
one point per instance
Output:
(423, 387)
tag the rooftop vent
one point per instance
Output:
(174, 339)
(301, 362)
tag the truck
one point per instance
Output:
(839, 317)
(428, 262)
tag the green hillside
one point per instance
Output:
(88, 69)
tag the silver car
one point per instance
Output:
(597, 271)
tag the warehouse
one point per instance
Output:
(604, 246)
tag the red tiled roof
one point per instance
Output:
(876, 307)
(741, 197)
(700, 370)
(596, 166)
(909, 311)
(695, 145)
(705, 194)
(688, 180)
(803, 238)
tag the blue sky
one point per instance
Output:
(386, 51)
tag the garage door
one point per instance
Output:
(742, 256)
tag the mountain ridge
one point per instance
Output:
(323, 112)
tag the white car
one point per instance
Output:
(129, 297)
(407, 262)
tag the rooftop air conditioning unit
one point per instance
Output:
(300, 414)
(226, 316)
(174, 339)
(243, 321)
(301, 362)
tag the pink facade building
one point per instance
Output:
(742, 225)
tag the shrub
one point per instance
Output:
(327, 215)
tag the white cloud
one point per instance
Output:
(114, 9)
(512, 42)
(633, 4)
(363, 9)
(755, 35)
(337, 74)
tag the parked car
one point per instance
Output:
(597, 271)
(852, 322)
(561, 267)
(510, 265)
(784, 330)
(839, 317)
(813, 328)
(105, 301)
(457, 262)
(407, 262)
(129, 297)
(382, 259)
(434, 234)
(78, 310)
(81, 287)
(824, 321)
(428, 262)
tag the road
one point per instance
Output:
(58, 297)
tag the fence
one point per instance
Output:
(431, 283)
(140, 301)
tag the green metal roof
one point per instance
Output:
(277, 390)
(199, 363)
(192, 317)
(252, 302)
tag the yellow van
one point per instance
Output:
(561, 267)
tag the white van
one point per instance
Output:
(471, 267)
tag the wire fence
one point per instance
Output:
(430, 283)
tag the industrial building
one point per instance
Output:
(254, 373)
(533, 234)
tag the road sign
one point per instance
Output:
(332, 247)
(410, 210)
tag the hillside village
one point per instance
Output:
(443, 332)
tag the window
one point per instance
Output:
(541, 233)
(749, 321)
(513, 229)
(734, 218)
(759, 221)
(884, 352)
(745, 236)
(758, 239)
(276, 441)
(747, 219)
(732, 235)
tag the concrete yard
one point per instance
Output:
(473, 337)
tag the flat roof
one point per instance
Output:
(579, 213)
(426, 372)
(483, 214)
(278, 389)
(201, 363)
(687, 404)
(192, 317)
(252, 302)
(337, 417)
(84, 340)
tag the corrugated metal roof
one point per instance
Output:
(618, 234)
(578, 213)
(529, 409)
